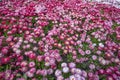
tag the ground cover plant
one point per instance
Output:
(59, 40)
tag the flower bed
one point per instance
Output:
(59, 40)
(115, 3)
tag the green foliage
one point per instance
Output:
(115, 25)
(69, 57)
(85, 46)
(84, 66)
(48, 27)
(66, 75)
(50, 77)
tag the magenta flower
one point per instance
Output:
(31, 64)
(24, 63)
(59, 40)
(72, 65)
(29, 74)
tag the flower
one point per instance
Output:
(5, 60)
(4, 50)
(7, 74)
(29, 74)
(39, 58)
(18, 51)
(78, 71)
(39, 8)
(101, 45)
(87, 51)
(40, 38)
(31, 64)
(77, 76)
(32, 70)
(38, 71)
(103, 62)
(47, 64)
(72, 65)
(20, 78)
(110, 78)
(58, 73)
(64, 65)
(65, 69)
(60, 78)
(73, 70)
(84, 73)
(32, 56)
(50, 71)
(43, 72)
(94, 57)
(72, 77)
(24, 69)
(92, 66)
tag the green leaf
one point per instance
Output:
(66, 75)
(48, 27)
(113, 37)
(85, 46)
(25, 76)
(5, 34)
(115, 25)
(50, 77)
(69, 57)
(94, 40)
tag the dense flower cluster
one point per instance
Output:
(115, 3)
(59, 40)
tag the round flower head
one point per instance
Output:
(4, 50)
(65, 69)
(103, 62)
(64, 65)
(92, 66)
(72, 65)
(101, 44)
(60, 78)
(94, 44)
(73, 70)
(94, 57)
(35, 48)
(24, 69)
(72, 77)
(39, 8)
(84, 73)
(82, 78)
(87, 51)
(18, 51)
(44, 72)
(39, 58)
(110, 78)
(7, 74)
(29, 74)
(24, 63)
(33, 70)
(28, 46)
(78, 76)
(31, 64)
(78, 71)
(50, 71)
(47, 64)
(58, 72)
